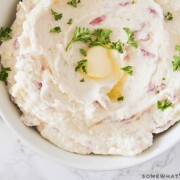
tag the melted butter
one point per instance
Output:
(100, 65)
(116, 91)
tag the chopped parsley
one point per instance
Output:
(117, 46)
(176, 59)
(102, 37)
(80, 34)
(4, 73)
(74, 3)
(128, 69)
(164, 104)
(157, 92)
(177, 47)
(70, 21)
(56, 30)
(82, 65)
(176, 63)
(83, 52)
(82, 80)
(121, 98)
(57, 16)
(169, 16)
(5, 34)
(131, 38)
(133, 1)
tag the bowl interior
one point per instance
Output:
(10, 114)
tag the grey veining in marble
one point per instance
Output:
(19, 162)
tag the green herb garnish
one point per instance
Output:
(117, 46)
(102, 37)
(56, 30)
(121, 98)
(164, 104)
(83, 52)
(177, 47)
(74, 3)
(128, 69)
(157, 92)
(133, 1)
(80, 34)
(169, 16)
(176, 59)
(82, 80)
(5, 34)
(70, 21)
(131, 38)
(4, 73)
(57, 16)
(82, 65)
(176, 63)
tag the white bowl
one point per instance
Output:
(11, 116)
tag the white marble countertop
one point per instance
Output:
(20, 162)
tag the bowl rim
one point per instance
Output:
(32, 138)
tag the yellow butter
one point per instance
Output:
(99, 63)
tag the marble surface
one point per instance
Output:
(20, 162)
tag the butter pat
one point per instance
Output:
(99, 63)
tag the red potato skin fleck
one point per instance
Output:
(147, 54)
(124, 4)
(153, 11)
(137, 31)
(38, 85)
(42, 68)
(16, 44)
(162, 87)
(151, 88)
(24, 56)
(97, 20)
(164, 126)
(89, 142)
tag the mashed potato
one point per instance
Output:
(96, 76)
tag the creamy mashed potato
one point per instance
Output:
(101, 96)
